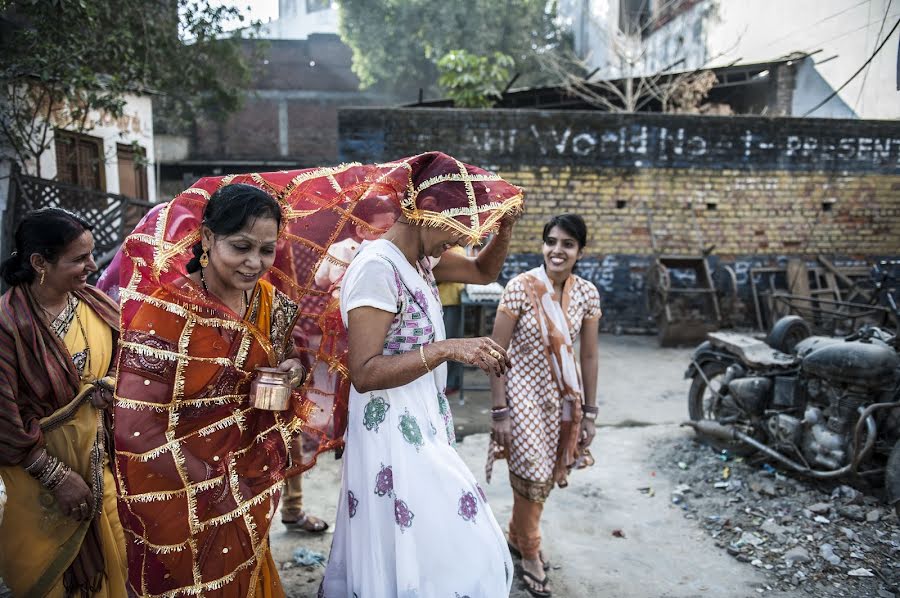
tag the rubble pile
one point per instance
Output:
(812, 537)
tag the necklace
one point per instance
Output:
(60, 322)
(60, 325)
(244, 301)
(86, 366)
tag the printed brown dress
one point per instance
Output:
(535, 403)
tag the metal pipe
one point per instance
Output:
(864, 416)
(705, 379)
(717, 430)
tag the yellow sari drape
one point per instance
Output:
(38, 542)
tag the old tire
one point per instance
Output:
(787, 332)
(713, 370)
(892, 478)
(700, 406)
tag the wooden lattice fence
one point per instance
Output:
(113, 216)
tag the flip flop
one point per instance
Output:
(515, 552)
(310, 525)
(542, 591)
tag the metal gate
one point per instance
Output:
(113, 216)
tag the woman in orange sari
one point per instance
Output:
(199, 469)
(60, 534)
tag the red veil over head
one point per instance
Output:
(320, 207)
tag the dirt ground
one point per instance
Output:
(655, 552)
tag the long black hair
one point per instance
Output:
(230, 209)
(47, 232)
(573, 224)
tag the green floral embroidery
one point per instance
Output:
(375, 412)
(444, 409)
(409, 427)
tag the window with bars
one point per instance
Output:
(79, 160)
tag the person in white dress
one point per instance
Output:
(412, 520)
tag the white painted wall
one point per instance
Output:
(135, 124)
(296, 22)
(759, 31)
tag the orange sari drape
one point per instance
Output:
(199, 471)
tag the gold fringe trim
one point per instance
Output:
(198, 191)
(216, 584)
(462, 177)
(243, 351)
(133, 405)
(472, 234)
(165, 354)
(169, 494)
(157, 548)
(236, 418)
(319, 172)
(334, 183)
(243, 508)
(182, 311)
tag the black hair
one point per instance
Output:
(232, 208)
(573, 224)
(47, 232)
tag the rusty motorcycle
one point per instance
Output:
(823, 407)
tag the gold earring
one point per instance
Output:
(204, 259)
(43, 273)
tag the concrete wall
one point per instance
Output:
(718, 32)
(759, 189)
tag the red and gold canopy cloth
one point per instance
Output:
(321, 207)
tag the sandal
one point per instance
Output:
(307, 523)
(541, 591)
(517, 554)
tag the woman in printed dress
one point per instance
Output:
(412, 521)
(543, 412)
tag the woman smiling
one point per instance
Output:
(543, 412)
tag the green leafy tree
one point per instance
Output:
(64, 59)
(397, 43)
(473, 81)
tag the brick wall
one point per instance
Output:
(759, 189)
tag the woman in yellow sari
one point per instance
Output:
(200, 470)
(60, 533)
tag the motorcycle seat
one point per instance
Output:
(752, 352)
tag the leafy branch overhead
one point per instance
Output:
(64, 60)
(473, 81)
(397, 44)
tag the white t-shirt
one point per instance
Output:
(370, 281)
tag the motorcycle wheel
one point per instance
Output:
(892, 478)
(700, 406)
(787, 332)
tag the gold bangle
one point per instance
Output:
(422, 355)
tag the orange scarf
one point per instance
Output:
(554, 326)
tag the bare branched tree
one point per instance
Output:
(634, 90)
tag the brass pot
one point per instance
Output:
(270, 390)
